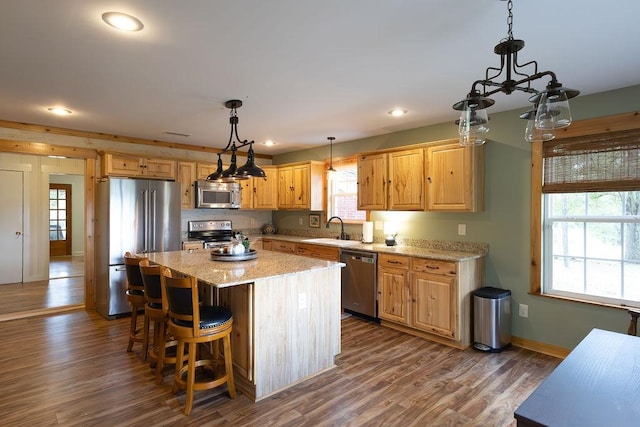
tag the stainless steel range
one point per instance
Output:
(214, 233)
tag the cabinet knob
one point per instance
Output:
(429, 178)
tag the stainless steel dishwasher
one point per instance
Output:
(359, 283)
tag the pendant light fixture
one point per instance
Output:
(551, 106)
(331, 169)
(233, 173)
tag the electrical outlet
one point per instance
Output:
(523, 310)
(300, 221)
(379, 225)
(462, 229)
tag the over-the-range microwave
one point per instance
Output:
(218, 195)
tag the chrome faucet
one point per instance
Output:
(343, 235)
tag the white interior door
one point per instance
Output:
(11, 221)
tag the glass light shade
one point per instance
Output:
(531, 133)
(390, 228)
(553, 110)
(472, 126)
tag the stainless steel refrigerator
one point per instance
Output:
(132, 215)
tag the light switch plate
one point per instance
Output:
(462, 229)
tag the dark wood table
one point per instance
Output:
(598, 384)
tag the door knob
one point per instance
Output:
(18, 233)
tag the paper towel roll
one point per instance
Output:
(367, 232)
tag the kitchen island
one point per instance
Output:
(286, 311)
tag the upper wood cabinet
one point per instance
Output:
(372, 181)
(455, 178)
(301, 186)
(205, 169)
(261, 193)
(392, 181)
(406, 180)
(113, 164)
(187, 178)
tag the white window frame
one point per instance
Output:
(350, 163)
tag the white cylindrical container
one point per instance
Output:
(367, 232)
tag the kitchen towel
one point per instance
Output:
(367, 232)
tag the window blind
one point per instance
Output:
(601, 162)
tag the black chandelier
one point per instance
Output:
(233, 172)
(550, 107)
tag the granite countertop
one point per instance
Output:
(198, 263)
(381, 248)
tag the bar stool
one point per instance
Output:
(192, 324)
(155, 311)
(135, 297)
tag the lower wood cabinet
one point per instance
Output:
(393, 288)
(328, 253)
(429, 298)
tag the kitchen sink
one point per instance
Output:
(330, 241)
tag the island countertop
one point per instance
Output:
(268, 264)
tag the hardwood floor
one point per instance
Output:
(72, 369)
(63, 291)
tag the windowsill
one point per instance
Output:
(581, 301)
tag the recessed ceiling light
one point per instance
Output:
(59, 111)
(122, 21)
(398, 112)
(269, 143)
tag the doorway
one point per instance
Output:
(60, 220)
(11, 227)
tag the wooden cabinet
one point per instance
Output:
(282, 246)
(393, 287)
(261, 193)
(113, 164)
(391, 181)
(187, 178)
(432, 296)
(455, 178)
(329, 253)
(301, 186)
(406, 180)
(428, 298)
(372, 181)
(205, 169)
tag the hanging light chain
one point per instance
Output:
(510, 20)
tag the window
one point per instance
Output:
(342, 189)
(589, 243)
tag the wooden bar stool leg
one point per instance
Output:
(145, 338)
(179, 365)
(191, 377)
(161, 353)
(132, 327)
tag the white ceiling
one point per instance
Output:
(304, 69)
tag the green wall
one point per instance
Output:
(504, 224)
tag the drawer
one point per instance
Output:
(318, 251)
(395, 261)
(280, 246)
(445, 268)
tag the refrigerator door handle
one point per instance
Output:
(145, 220)
(121, 269)
(152, 228)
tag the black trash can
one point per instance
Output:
(491, 319)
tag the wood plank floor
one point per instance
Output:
(72, 369)
(64, 289)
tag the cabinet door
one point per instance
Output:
(372, 182)
(121, 165)
(159, 168)
(205, 169)
(285, 187)
(432, 298)
(393, 294)
(301, 186)
(406, 180)
(187, 177)
(455, 178)
(246, 188)
(265, 192)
